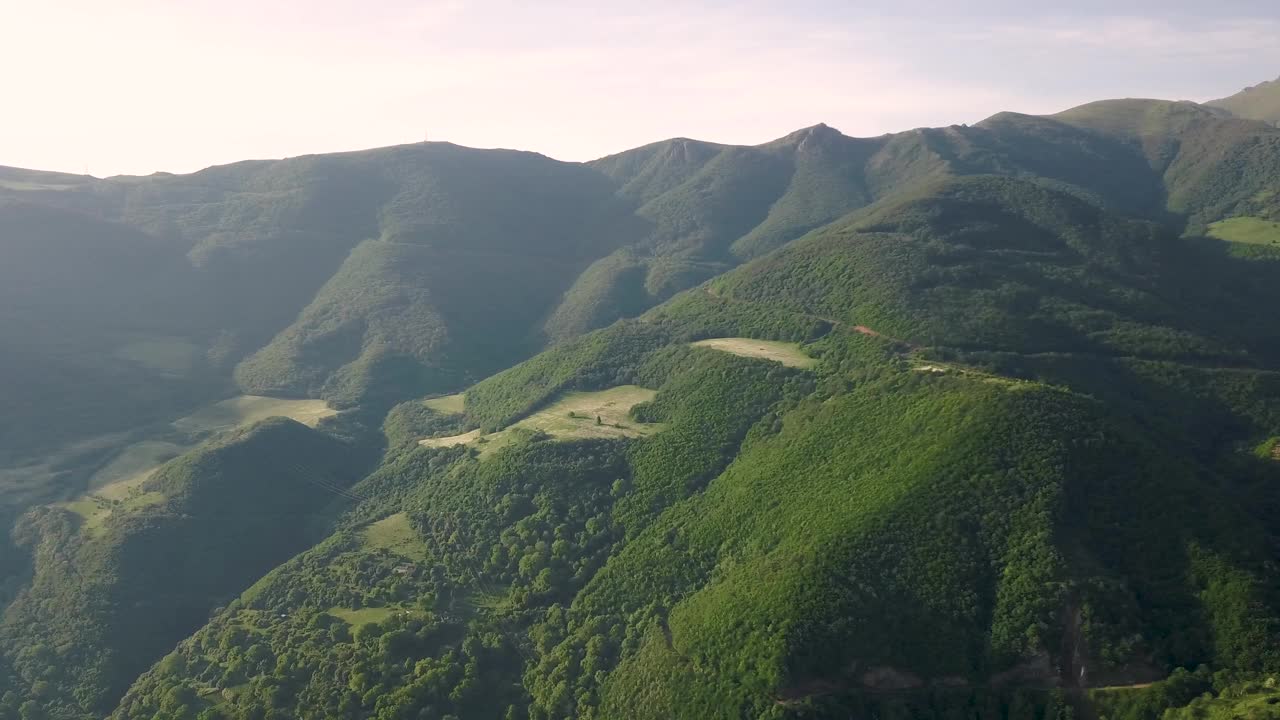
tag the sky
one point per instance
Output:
(137, 86)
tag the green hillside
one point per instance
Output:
(906, 526)
(975, 421)
(1211, 167)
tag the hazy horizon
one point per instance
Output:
(212, 83)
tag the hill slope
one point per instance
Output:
(1258, 102)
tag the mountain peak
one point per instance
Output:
(819, 133)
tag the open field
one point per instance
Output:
(1253, 230)
(169, 355)
(248, 409)
(1269, 449)
(451, 440)
(121, 496)
(134, 464)
(447, 405)
(573, 415)
(788, 354)
(117, 486)
(394, 533)
(355, 618)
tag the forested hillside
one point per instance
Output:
(977, 421)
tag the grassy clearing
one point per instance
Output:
(451, 440)
(133, 465)
(447, 405)
(248, 409)
(935, 367)
(573, 415)
(117, 487)
(788, 354)
(356, 618)
(168, 355)
(394, 533)
(1269, 450)
(123, 496)
(1252, 230)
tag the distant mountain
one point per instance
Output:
(977, 421)
(1259, 102)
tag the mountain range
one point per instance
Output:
(976, 421)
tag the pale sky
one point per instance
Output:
(136, 86)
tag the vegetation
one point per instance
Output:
(788, 354)
(1247, 230)
(248, 409)
(103, 605)
(447, 404)
(960, 422)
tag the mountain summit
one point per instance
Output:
(1259, 102)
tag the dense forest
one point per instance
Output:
(969, 422)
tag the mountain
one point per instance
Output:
(975, 421)
(1259, 102)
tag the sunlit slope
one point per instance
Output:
(1258, 102)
